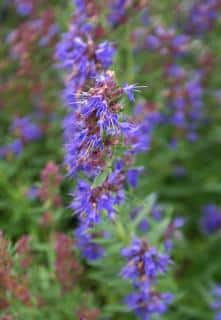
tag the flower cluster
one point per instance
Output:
(185, 110)
(67, 268)
(24, 251)
(90, 202)
(93, 130)
(25, 81)
(109, 141)
(25, 130)
(143, 268)
(147, 117)
(16, 272)
(10, 284)
(184, 101)
(202, 16)
(39, 31)
(166, 42)
(87, 57)
(95, 126)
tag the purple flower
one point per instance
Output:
(83, 204)
(211, 219)
(105, 53)
(180, 43)
(144, 225)
(176, 72)
(185, 102)
(94, 126)
(155, 263)
(147, 303)
(153, 42)
(25, 129)
(24, 7)
(179, 120)
(133, 176)
(77, 50)
(118, 11)
(157, 212)
(166, 42)
(80, 6)
(13, 148)
(137, 137)
(32, 192)
(86, 242)
(144, 263)
(89, 202)
(202, 16)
